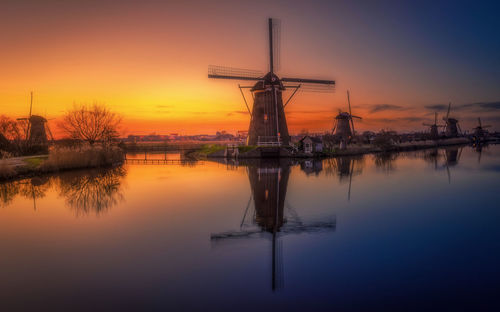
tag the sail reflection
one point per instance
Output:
(268, 184)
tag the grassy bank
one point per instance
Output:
(60, 159)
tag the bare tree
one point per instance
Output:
(91, 123)
(14, 131)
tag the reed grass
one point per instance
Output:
(84, 157)
(6, 170)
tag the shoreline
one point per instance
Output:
(260, 152)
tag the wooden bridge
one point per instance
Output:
(157, 161)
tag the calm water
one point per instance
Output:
(415, 231)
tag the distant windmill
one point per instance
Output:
(452, 129)
(37, 128)
(479, 131)
(434, 127)
(268, 125)
(344, 125)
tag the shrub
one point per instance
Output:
(85, 157)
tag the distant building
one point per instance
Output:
(311, 145)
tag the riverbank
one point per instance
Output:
(61, 159)
(245, 152)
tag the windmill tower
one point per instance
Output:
(434, 128)
(37, 128)
(268, 125)
(452, 128)
(479, 131)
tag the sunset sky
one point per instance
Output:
(147, 60)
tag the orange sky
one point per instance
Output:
(148, 62)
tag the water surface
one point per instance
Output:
(412, 231)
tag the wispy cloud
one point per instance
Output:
(374, 108)
(237, 113)
(477, 107)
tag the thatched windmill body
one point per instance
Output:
(268, 126)
(452, 129)
(434, 128)
(37, 128)
(344, 125)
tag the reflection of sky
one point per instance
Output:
(405, 235)
(148, 60)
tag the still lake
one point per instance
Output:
(410, 231)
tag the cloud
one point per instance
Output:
(385, 107)
(477, 107)
(237, 112)
(437, 107)
(482, 106)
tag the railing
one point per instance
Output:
(269, 141)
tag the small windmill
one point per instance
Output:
(36, 127)
(268, 126)
(344, 124)
(434, 127)
(479, 131)
(452, 129)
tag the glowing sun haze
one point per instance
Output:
(147, 60)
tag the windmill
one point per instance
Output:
(268, 125)
(36, 128)
(344, 124)
(434, 128)
(452, 129)
(479, 131)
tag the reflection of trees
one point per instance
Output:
(93, 190)
(385, 161)
(8, 191)
(88, 191)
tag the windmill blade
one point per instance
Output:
(350, 115)
(479, 119)
(50, 132)
(356, 117)
(276, 43)
(334, 125)
(448, 113)
(459, 129)
(311, 87)
(305, 80)
(31, 104)
(222, 72)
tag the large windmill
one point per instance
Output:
(452, 129)
(434, 127)
(344, 125)
(268, 125)
(479, 131)
(36, 128)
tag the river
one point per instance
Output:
(410, 231)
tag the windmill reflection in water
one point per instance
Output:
(269, 218)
